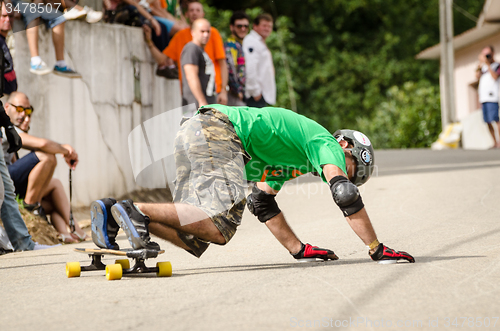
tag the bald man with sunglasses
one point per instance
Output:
(32, 174)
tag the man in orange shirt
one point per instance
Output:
(214, 49)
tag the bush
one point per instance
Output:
(409, 118)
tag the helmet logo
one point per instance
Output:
(362, 138)
(366, 156)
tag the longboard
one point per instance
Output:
(122, 266)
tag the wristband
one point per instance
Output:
(374, 244)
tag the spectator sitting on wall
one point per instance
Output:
(163, 15)
(32, 174)
(72, 11)
(133, 13)
(54, 20)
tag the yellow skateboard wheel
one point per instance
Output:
(164, 269)
(73, 269)
(113, 271)
(124, 262)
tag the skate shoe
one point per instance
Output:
(134, 223)
(386, 255)
(310, 253)
(104, 226)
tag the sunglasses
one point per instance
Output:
(21, 109)
(241, 26)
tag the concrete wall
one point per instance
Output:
(95, 114)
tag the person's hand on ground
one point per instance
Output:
(309, 252)
(383, 252)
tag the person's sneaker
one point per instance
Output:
(36, 209)
(66, 72)
(386, 255)
(40, 69)
(40, 246)
(310, 253)
(104, 226)
(134, 223)
(74, 13)
(93, 16)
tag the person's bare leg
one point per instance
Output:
(498, 130)
(492, 132)
(54, 192)
(32, 36)
(186, 218)
(167, 233)
(58, 40)
(40, 177)
(57, 220)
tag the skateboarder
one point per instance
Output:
(218, 150)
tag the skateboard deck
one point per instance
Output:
(122, 252)
(120, 267)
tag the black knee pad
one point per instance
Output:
(262, 204)
(346, 195)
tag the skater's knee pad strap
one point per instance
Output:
(262, 204)
(196, 246)
(346, 195)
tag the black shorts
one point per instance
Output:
(20, 170)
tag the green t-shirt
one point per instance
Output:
(283, 144)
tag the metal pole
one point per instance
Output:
(447, 80)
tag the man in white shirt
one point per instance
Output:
(260, 89)
(488, 72)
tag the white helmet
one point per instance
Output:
(362, 151)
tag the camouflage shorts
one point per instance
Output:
(210, 162)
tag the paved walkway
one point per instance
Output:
(442, 207)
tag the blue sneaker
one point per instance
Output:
(104, 227)
(134, 223)
(40, 69)
(66, 72)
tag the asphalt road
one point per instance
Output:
(442, 207)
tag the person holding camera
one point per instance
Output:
(488, 72)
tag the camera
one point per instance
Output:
(488, 56)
